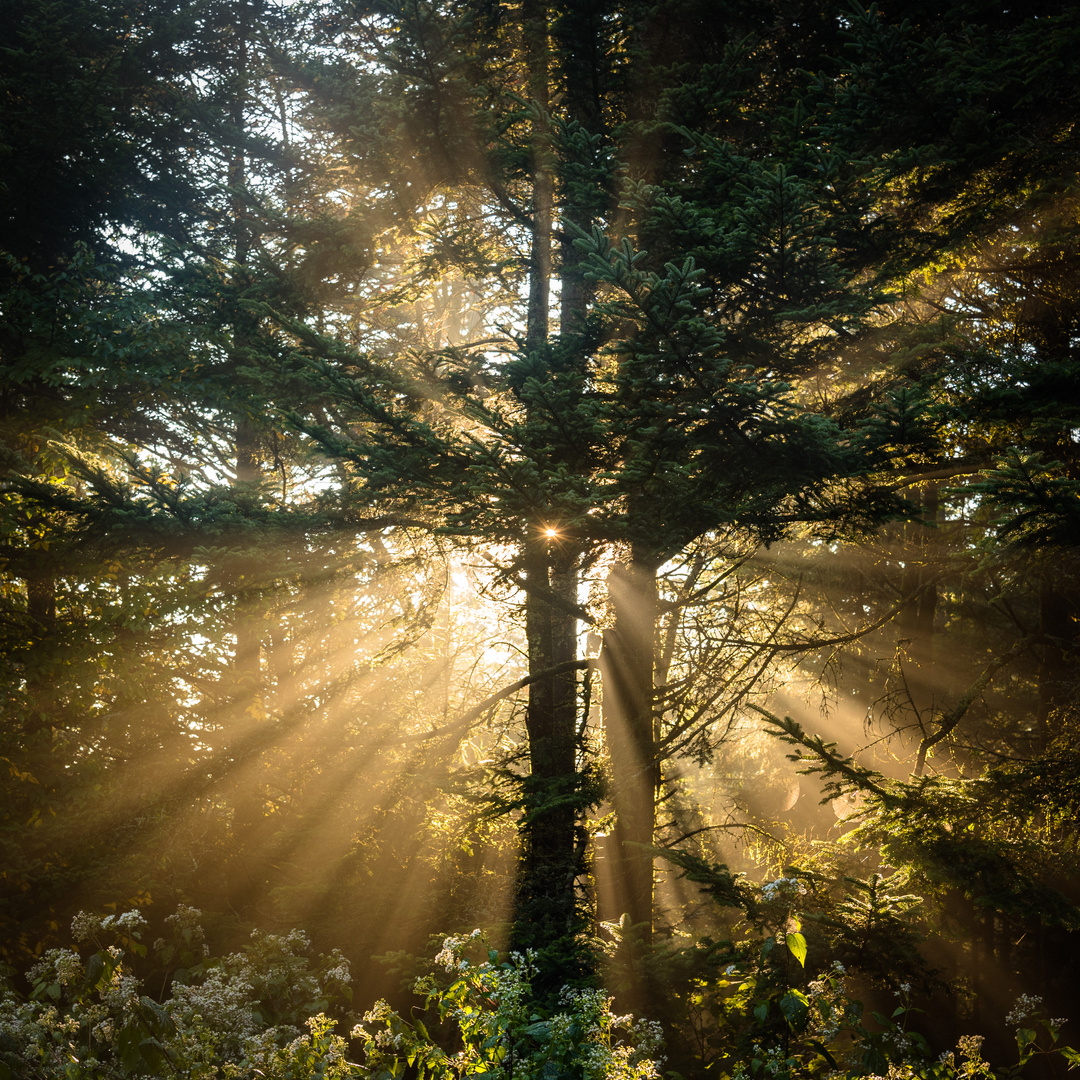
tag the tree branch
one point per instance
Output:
(492, 700)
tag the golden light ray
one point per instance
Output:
(327, 772)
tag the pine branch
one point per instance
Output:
(841, 774)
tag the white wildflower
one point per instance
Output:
(84, 926)
(128, 922)
(1025, 1006)
(782, 887)
(970, 1047)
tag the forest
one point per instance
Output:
(539, 538)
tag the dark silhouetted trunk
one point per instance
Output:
(627, 665)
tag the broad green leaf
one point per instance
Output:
(154, 1055)
(823, 1050)
(796, 944)
(95, 969)
(796, 1007)
(1067, 1052)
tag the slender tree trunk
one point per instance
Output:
(41, 683)
(245, 698)
(916, 621)
(1057, 620)
(627, 667)
(547, 904)
(537, 53)
(41, 593)
(246, 673)
(547, 897)
(577, 36)
(248, 625)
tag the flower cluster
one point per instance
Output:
(782, 888)
(235, 1018)
(1025, 1006)
(450, 955)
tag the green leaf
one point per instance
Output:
(1067, 1052)
(128, 1047)
(95, 969)
(823, 1050)
(795, 1006)
(153, 1053)
(796, 944)
(921, 1044)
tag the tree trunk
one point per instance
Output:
(915, 622)
(547, 916)
(547, 910)
(1057, 626)
(627, 666)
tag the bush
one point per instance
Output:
(239, 1016)
(492, 1025)
(262, 1013)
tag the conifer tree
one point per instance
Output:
(698, 288)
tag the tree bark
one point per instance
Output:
(627, 667)
(1058, 607)
(547, 915)
(547, 894)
